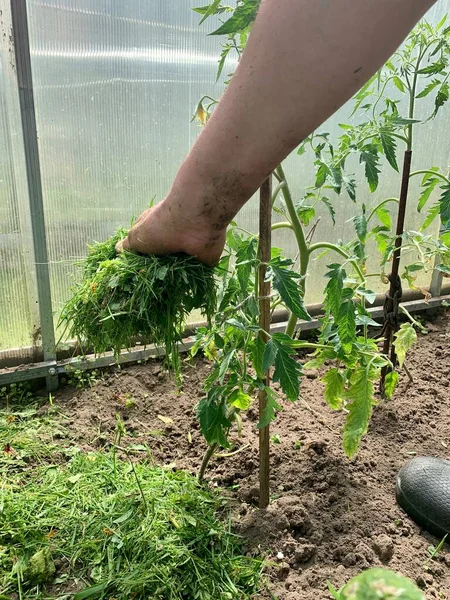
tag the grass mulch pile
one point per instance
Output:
(77, 525)
(126, 296)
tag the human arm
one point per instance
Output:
(304, 59)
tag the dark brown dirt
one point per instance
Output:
(329, 518)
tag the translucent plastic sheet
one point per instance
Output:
(116, 83)
(15, 322)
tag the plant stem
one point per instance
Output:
(208, 455)
(374, 210)
(277, 190)
(341, 251)
(301, 241)
(428, 172)
(283, 224)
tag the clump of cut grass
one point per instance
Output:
(126, 296)
(117, 530)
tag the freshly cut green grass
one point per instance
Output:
(101, 527)
(126, 296)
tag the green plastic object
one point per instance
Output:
(378, 584)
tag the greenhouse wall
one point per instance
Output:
(115, 86)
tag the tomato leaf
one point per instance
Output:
(286, 283)
(390, 383)
(405, 338)
(271, 408)
(444, 204)
(389, 146)
(334, 288)
(287, 372)
(334, 388)
(212, 415)
(384, 216)
(360, 394)
(243, 16)
(369, 156)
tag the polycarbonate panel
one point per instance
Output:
(116, 83)
(15, 321)
(431, 148)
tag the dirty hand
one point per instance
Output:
(166, 230)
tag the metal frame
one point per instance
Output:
(15, 17)
(37, 371)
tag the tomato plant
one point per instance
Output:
(384, 118)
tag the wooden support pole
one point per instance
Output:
(394, 294)
(265, 243)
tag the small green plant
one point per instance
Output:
(434, 551)
(378, 584)
(83, 378)
(15, 393)
(349, 355)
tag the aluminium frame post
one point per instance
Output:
(24, 79)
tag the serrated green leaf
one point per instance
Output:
(211, 10)
(389, 145)
(243, 16)
(334, 388)
(360, 395)
(432, 213)
(369, 156)
(334, 288)
(202, 10)
(305, 213)
(331, 210)
(366, 320)
(441, 98)
(223, 57)
(272, 406)
(346, 322)
(369, 295)
(213, 419)
(349, 186)
(390, 383)
(245, 258)
(429, 88)
(399, 84)
(287, 372)
(384, 216)
(360, 223)
(443, 269)
(405, 338)
(270, 352)
(286, 283)
(257, 354)
(321, 174)
(404, 121)
(433, 69)
(427, 189)
(240, 400)
(224, 365)
(444, 204)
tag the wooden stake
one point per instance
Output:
(395, 282)
(265, 244)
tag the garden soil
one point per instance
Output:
(329, 517)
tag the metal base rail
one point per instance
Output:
(54, 368)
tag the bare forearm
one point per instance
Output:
(304, 59)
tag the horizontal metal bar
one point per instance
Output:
(51, 368)
(26, 355)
